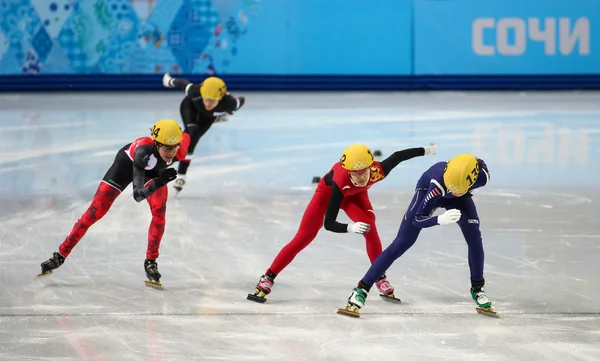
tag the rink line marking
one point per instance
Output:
(233, 314)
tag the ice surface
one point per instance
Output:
(247, 187)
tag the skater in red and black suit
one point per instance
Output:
(144, 163)
(344, 187)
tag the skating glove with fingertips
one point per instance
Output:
(359, 227)
(449, 217)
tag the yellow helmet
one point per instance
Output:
(356, 157)
(461, 173)
(213, 88)
(167, 132)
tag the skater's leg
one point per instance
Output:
(196, 126)
(406, 237)
(469, 225)
(117, 178)
(311, 223)
(359, 209)
(158, 208)
(189, 116)
(103, 200)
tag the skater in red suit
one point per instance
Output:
(144, 163)
(344, 187)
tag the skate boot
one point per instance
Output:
(386, 290)
(355, 302)
(263, 288)
(152, 273)
(51, 264)
(179, 183)
(484, 305)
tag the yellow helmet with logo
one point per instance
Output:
(213, 88)
(461, 173)
(167, 132)
(357, 157)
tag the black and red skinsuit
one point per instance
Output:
(139, 163)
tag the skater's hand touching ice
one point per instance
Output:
(359, 227)
(449, 217)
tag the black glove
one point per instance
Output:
(166, 175)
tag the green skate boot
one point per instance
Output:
(356, 300)
(483, 302)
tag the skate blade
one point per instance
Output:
(256, 298)
(487, 312)
(155, 285)
(391, 298)
(347, 312)
(43, 274)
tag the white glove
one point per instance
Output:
(431, 149)
(221, 118)
(449, 217)
(166, 80)
(359, 227)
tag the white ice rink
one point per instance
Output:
(247, 187)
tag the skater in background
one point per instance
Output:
(143, 162)
(447, 185)
(344, 187)
(204, 104)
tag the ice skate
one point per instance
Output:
(386, 290)
(51, 264)
(179, 183)
(152, 273)
(355, 302)
(263, 288)
(483, 302)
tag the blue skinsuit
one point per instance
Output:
(431, 193)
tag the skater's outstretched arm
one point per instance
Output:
(180, 83)
(400, 156)
(228, 103)
(333, 208)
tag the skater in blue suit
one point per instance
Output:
(447, 185)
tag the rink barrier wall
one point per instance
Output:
(302, 44)
(308, 83)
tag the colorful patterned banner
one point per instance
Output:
(121, 36)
